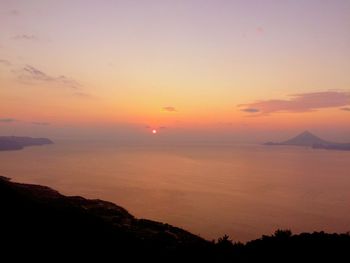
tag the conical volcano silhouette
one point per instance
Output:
(310, 140)
(305, 139)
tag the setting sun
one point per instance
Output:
(154, 131)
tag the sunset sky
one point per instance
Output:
(218, 69)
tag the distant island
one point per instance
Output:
(39, 223)
(307, 139)
(10, 143)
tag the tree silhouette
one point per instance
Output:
(282, 233)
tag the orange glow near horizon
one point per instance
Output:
(202, 72)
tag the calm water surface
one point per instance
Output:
(209, 189)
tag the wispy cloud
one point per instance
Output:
(7, 120)
(345, 109)
(11, 120)
(169, 109)
(25, 37)
(156, 127)
(5, 62)
(260, 30)
(30, 74)
(299, 102)
(250, 110)
(82, 95)
(14, 12)
(41, 123)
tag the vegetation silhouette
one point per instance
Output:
(38, 223)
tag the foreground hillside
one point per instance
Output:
(39, 223)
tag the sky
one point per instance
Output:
(237, 70)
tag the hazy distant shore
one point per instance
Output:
(13, 143)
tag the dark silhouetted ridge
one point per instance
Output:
(39, 224)
(39, 220)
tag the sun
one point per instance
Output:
(154, 131)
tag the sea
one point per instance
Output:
(208, 188)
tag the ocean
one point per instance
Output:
(207, 188)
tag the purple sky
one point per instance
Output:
(185, 65)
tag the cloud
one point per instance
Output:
(302, 102)
(7, 120)
(40, 123)
(153, 127)
(169, 109)
(260, 30)
(25, 37)
(82, 95)
(30, 74)
(250, 110)
(345, 109)
(5, 62)
(14, 12)
(36, 74)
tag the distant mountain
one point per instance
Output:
(305, 139)
(8, 143)
(308, 139)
